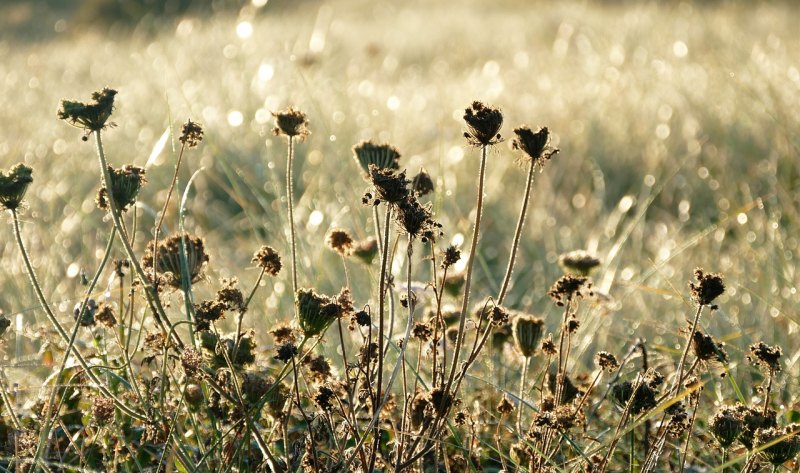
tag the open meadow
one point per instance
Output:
(672, 143)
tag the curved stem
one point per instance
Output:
(517, 234)
(470, 264)
(60, 329)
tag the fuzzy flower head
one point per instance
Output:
(126, 183)
(291, 122)
(92, 116)
(192, 134)
(339, 241)
(767, 358)
(707, 349)
(13, 185)
(568, 288)
(382, 156)
(709, 286)
(268, 259)
(534, 144)
(483, 125)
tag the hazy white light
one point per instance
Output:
(259, 3)
(265, 72)
(741, 218)
(455, 154)
(662, 131)
(679, 49)
(244, 30)
(235, 118)
(73, 270)
(315, 218)
(393, 103)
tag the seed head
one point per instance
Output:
(125, 184)
(505, 407)
(291, 122)
(85, 317)
(754, 419)
(785, 443)
(339, 241)
(416, 220)
(422, 184)
(168, 260)
(528, 332)
(389, 186)
(534, 144)
(767, 358)
(191, 361)
(13, 185)
(324, 398)
(709, 286)
(569, 287)
(283, 334)
(268, 259)
(707, 349)
(319, 368)
(192, 134)
(549, 347)
(193, 395)
(92, 116)
(726, 425)
(103, 410)
(316, 311)
(643, 400)
(105, 316)
(286, 351)
(382, 156)
(451, 256)
(483, 125)
(579, 262)
(606, 361)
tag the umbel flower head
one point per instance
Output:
(578, 262)
(780, 445)
(709, 286)
(316, 311)
(125, 185)
(339, 241)
(291, 122)
(192, 134)
(383, 156)
(13, 185)
(268, 259)
(528, 332)
(389, 186)
(483, 124)
(92, 116)
(534, 144)
(167, 259)
(726, 425)
(422, 184)
(416, 219)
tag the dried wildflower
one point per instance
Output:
(678, 424)
(709, 287)
(319, 367)
(192, 134)
(382, 156)
(254, 386)
(105, 316)
(707, 349)
(579, 262)
(206, 312)
(286, 352)
(573, 325)
(120, 267)
(785, 444)
(339, 241)
(365, 249)
(549, 347)
(389, 186)
(643, 400)
(422, 184)
(533, 144)
(125, 184)
(569, 391)
(268, 259)
(168, 262)
(85, 317)
(13, 185)
(441, 401)
(92, 116)
(367, 353)
(416, 220)
(451, 256)
(103, 410)
(191, 361)
(569, 287)
(155, 342)
(505, 406)
(291, 122)
(765, 357)
(483, 124)
(324, 397)
(361, 318)
(754, 419)
(726, 425)
(460, 418)
(654, 379)
(316, 311)
(422, 331)
(231, 296)
(283, 334)
(606, 361)
(528, 332)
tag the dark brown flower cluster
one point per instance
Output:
(645, 397)
(578, 262)
(192, 134)
(451, 256)
(568, 287)
(767, 358)
(534, 144)
(92, 116)
(422, 184)
(606, 361)
(709, 286)
(339, 241)
(707, 349)
(483, 124)
(169, 265)
(268, 259)
(382, 156)
(13, 185)
(291, 122)
(317, 311)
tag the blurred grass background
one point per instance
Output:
(677, 122)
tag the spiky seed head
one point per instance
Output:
(709, 286)
(192, 134)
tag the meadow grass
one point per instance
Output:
(678, 148)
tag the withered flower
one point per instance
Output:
(126, 183)
(422, 184)
(339, 241)
(268, 259)
(291, 122)
(579, 262)
(534, 144)
(192, 134)
(528, 332)
(13, 185)
(92, 116)
(766, 357)
(382, 156)
(168, 260)
(483, 124)
(569, 287)
(709, 286)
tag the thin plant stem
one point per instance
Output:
(470, 265)
(523, 377)
(164, 210)
(517, 234)
(60, 329)
(290, 205)
(679, 379)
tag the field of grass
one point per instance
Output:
(678, 128)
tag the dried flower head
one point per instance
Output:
(316, 311)
(416, 220)
(268, 259)
(365, 250)
(709, 286)
(92, 116)
(606, 361)
(779, 445)
(483, 124)
(103, 410)
(451, 256)
(168, 260)
(324, 398)
(191, 361)
(423, 331)
(105, 315)
(390, 186)
(361, 318)
(339, 241)
(85, 317)
(231, 296)
(382, 156)
(193, 394)
(534, 144)
(726, 425)
(126, 183)
(528, 332)
(318, 367)
(422, 184)
(569, 391)
(767, 358)
(755, 418)
(548, 346)
(286, 352)
(579, 262)
(192, 134)
(13, 185)
(505, 406)
(643, 400)
(569, 287)
(283, 334)
(291, 122)
(707, 349)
